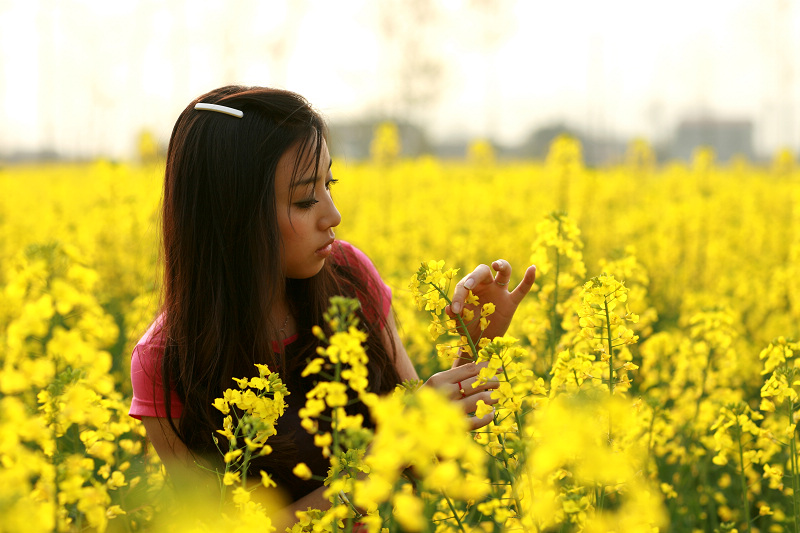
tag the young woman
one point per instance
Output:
(250, 261)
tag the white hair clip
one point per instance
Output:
(219, 109)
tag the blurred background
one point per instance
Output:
(82, 79)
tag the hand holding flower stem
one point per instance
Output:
(492, 290)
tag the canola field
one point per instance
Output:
(649, 381)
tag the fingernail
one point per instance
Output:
(469, 283)
(457, 307)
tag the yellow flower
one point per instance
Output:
(482, 409)
(444, 475)
(221, 405)
(115, 511)
(302, 471)
(324, 441)
(232, 455)
(227, 428)
(241, 495)
(267, 481)
(116, 481)
(669, 491)
(313, 367)
(230, 478)
(408, 511)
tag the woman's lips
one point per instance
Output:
(326, 250)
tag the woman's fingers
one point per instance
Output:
(478, 423)
(481, 274)
(525, 285)
(458, 382)
(467, 387)
(447, 378)
(470, 404)
(503, 269)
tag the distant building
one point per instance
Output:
(726, 137)
(351, 140)
(597, 150)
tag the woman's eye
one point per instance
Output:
(306, 204)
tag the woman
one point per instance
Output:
(250, 261)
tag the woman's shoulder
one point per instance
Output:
(154, 336)
(375, 294)
(346, 254)
(149, 349)
(146, 378)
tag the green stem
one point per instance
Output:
(223, 489)
(516, 414)
(553, 317)
(502, 442)
(600, 497)
(744, 481)
(703, 384)
(54, 425)
(55, 474)
(335, 430)
(246, 463)
(455, 513)
(335, 421)
(610, 361)
(649, 444)
(385, 510)
(515, 495)
(602, 491)
(795, 473)
(122, 491)
(713, 514)
(460, 321)
(610, 350)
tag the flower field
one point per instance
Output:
(649, 382)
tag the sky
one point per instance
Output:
(84, 77)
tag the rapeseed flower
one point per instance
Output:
(711, 272)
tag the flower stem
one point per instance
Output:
(335, 430)
(744, 481)
(460, 321)
(516, 413)
(649, 444)
(610, 361)
(795, 473)
(600, 493)
(553, 317)
(455, 513)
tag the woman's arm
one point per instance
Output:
(194, 485)
(188, 474)
(173, 453)
(405, 368)
(455, 383)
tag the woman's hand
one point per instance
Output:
(490, 288)
(456, 384)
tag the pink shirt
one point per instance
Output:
(148, 396)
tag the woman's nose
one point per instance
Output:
(332, 217)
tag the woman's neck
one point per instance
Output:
(283, 320)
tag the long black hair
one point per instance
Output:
(222, 263)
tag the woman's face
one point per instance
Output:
(306, 218)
